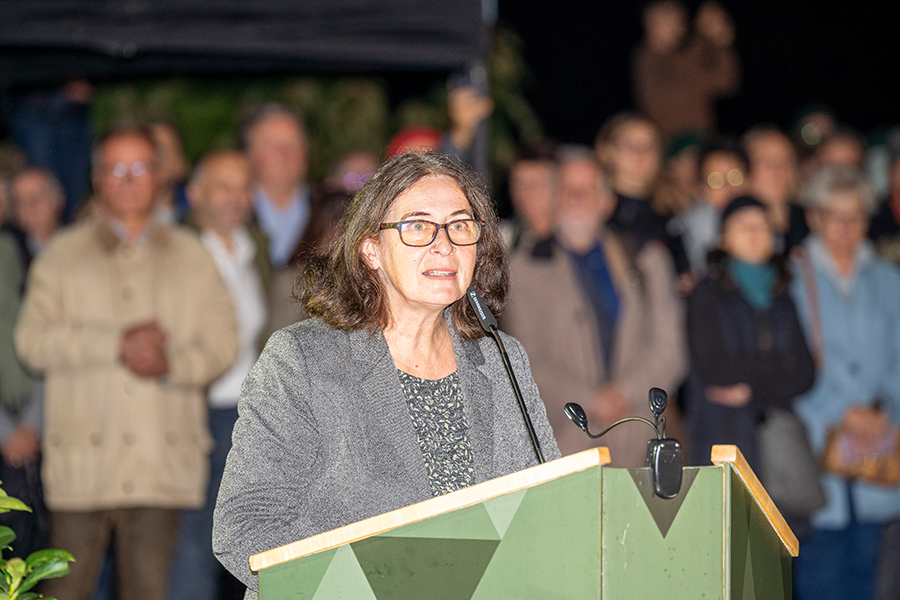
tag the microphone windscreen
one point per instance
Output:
(484, 314)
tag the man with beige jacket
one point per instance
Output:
(598, 316)
(128, 319)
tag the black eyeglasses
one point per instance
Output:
(463, 232)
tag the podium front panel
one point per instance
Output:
(572, 528)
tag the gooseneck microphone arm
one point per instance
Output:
(594, 436)
(489, 323)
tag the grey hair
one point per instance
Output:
(822, 186)
(570, 153)
(263, 112)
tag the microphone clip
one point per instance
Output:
(663, 453)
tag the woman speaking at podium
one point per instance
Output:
(391, 393)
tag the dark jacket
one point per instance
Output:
(730, 342)
(324, 438)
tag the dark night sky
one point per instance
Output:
(793, 53)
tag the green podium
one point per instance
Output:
(569, 529)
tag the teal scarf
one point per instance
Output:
(755, 282)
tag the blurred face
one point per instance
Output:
(582, 203)
(773, 168)
(747, 236)
(636, 153)
(36, 206)
(665, 26)
(682, 168)
(722, 179)
(277, 152)
(842, 224)
(125, 179)
(841, 152)
(423, 279)
(531, 191)
(221, 198)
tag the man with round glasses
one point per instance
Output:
(129, 320)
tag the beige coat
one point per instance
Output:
(112, 439)
(550, 314)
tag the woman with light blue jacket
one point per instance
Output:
(849, 303)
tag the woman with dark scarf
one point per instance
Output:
(748, 351)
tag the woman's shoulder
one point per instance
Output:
(310, 334)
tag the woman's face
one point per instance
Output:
(747, 236)
(636, 152)
(423, 278)
(842, 224)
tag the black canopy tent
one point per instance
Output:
(43, 42)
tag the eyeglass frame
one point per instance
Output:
(111, 169)
(437, 227)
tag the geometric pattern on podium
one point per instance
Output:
(481, 552)
(663, 511)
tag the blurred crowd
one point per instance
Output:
(749, 276)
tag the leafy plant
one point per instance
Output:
(18, 576)
(343, 112)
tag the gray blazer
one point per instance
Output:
(324, 438)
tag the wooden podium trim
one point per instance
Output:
(430, 508)
(732, 455)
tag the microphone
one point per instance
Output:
(489, 324)
(663, 453)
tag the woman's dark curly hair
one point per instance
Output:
(342, 290)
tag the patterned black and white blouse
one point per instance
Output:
(436, 410)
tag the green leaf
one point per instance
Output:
(8, 503)
(7, 536)
(16, 567)
(30, 596)
(48, 570)
(42, 556)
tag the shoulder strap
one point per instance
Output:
(816, 335)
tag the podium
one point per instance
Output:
(572, 528)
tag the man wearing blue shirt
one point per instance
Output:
(275, 142)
